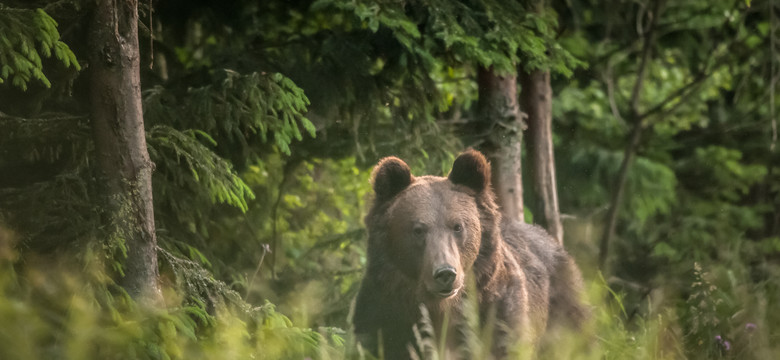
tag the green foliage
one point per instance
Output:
(651, 184)
(372, 15)
(169, 147)
(55, 313)
(68, 216)
(49, 139)
(498, 34)
(704, 321)
(25, 37)
(729, 178)
(701, 185)
(709, 218)
(725, 316)
(236, 108)
(313, 225)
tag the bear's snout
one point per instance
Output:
(445, 279)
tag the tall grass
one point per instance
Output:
(64, 307)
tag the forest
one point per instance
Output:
(189, 179)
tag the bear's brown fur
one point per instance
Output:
(428, 234)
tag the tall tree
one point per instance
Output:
(125, 170)
(536, 101)
(637, 127)
(501, 121)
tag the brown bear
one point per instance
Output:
(430, 236)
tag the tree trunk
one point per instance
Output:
(536, 101)
(617, 195)
(124, 167)
(500, 117)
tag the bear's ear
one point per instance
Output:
(472, 170)
(390, 176)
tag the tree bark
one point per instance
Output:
(124, 167)
(536, 101)
(502, 122)
(617, 195)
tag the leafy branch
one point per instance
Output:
(28, 35)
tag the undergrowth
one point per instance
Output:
(66, 307)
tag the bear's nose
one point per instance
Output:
(445, 276)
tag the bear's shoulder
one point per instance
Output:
(532, 244)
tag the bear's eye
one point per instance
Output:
(457, 228)
(418, 230)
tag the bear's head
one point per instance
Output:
(430, 228)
